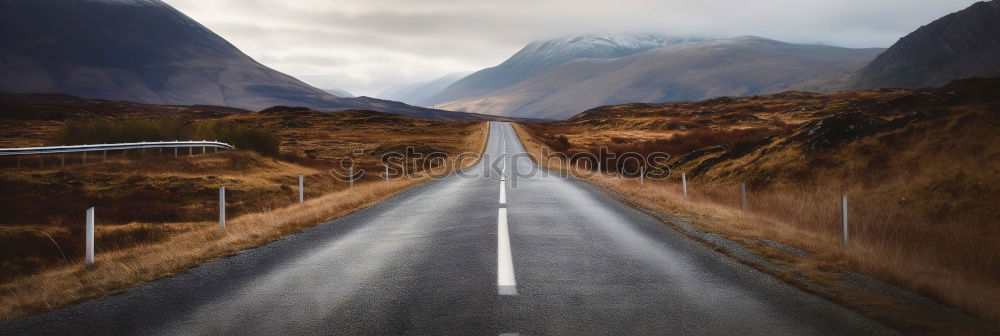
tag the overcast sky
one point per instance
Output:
(364, 46)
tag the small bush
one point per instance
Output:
(559, 143)
(98, 131)
(243, 137)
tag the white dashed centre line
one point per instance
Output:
(503, 191)
(506, 285)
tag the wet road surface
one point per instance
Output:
(480, 254)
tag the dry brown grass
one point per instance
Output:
(119, 268)
(164, 208)
(43, 226)
(953, 258)
(43, 206)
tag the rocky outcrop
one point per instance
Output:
(833, 130)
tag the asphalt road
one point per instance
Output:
(458, 256)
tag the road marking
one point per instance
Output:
(506, 285)
(505, 263)
(503, 137)
(503, 168)
(503, 191)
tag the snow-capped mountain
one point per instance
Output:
(145, 51)
(340, 93)
(538, 57)
(681, 71)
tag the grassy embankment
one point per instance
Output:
(157, 214)
(921, 170)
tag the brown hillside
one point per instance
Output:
(921, 166)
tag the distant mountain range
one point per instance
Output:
(539, 57)
(420, 93)
(146, 51)
(559, 78)
(653, 70)
(960, 45)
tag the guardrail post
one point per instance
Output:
(175, 152)
(203, 151)
(18, 162)
(222, 207)
(302, 194)
(105, 156)
(743, 196)
(843, 216)
(89, 232)
(84, 157)
(41, 161)
(190, 151)
(62, 160)
(684, 184)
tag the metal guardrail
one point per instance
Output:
(106, 147)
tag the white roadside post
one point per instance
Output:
(642, 175)
(222, 207)
(302, 194)
(89, 232)
(386, 172)
(684, 184)
(743, 196)
(350, 179)
(843, 216)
